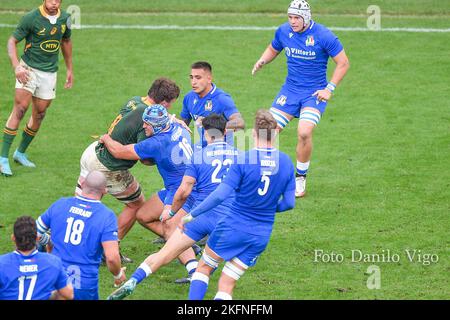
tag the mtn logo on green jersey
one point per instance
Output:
(50, 45)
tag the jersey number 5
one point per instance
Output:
(266, 181)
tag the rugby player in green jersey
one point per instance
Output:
(127, 128)
(46, 30)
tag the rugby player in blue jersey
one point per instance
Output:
(307, 46)
(82, 228)
(203, 174)
(27, 274)
(206, 98)
(263, 180)
(169, 147)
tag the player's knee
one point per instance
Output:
(142, 216)
(19, 111)
(233, 271)
(304, 135)
(168, 229)
(40, 116)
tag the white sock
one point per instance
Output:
(220, 295)
(302, 167)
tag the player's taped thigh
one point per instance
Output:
(210, 261)
(281, 119)
(310, 115)
(232, 270)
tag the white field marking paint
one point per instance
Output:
(237, 28)
(240, 14)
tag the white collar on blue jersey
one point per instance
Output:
(265, 149)
(214, 87)
(87, 199)
(217, 143)
(30, 255)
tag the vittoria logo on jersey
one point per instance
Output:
(281, 100)
(298, 53)
(50, 45)
(54, 29)
(208, 105)
(309, 41)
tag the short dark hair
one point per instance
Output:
(25, 232)
(163, 89)
(216, 122)
(202, 65)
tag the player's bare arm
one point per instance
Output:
(269, 54)
(119, 150)
(342, 66)
(112, 257)
(20, 72)
(65, 293)
(236, 122)
(187, 121)
(66, 48)
(183, 192)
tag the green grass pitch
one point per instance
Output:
(380, 173)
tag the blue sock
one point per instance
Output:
(142, 272)
(139, 275)
(199, 286)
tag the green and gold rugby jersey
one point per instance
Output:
(127, 128)
(43, 39)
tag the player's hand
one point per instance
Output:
(165, 215)
(69, 80)
(173, 118)
(258, 65)
(120, 278)
(22, 74)
(187, 218)
(322, 95)
(199, 122)
(104, 138)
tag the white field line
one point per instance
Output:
(240, 14)
(238, 28)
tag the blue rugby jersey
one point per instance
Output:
(216, 101)
(78, 227)
(31, 277)
(307, 55)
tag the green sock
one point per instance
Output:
(8, 137)
(27, 136)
